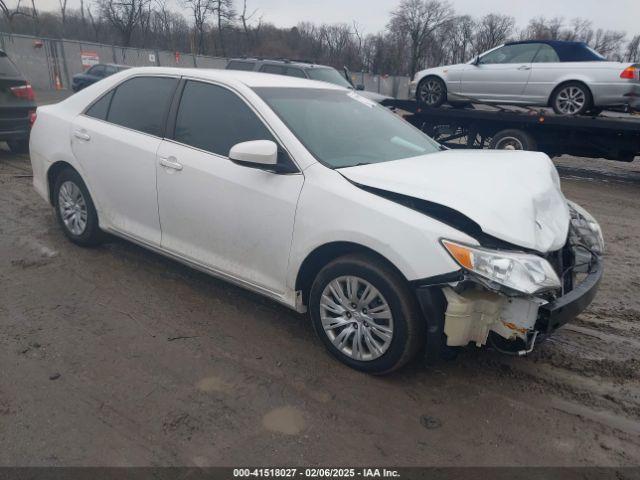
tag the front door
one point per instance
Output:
(231, 218)
(500, 75)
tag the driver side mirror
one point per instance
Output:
(261, 154)
(359, 87)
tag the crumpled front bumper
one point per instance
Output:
(564, 309)
(470, 315)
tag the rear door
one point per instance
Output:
(116, 141)
(500, 75)
(231, 218)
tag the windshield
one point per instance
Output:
(343, 129)
(330, 75)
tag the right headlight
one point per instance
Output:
(585, 229)
(522, 272)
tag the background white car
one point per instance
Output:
(324, 201)
(568, 76)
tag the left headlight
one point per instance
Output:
(585, 229)
(522, 272)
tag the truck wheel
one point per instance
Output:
(513, 140)
(18, 146)
(572, 98)
(431, 92)
(365, 314)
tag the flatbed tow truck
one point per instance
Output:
(612, 135)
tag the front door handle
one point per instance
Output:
(524, 67)
(82, 135)
(170, 162)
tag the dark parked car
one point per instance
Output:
(301, 69)
(94, 74)
(17, 106)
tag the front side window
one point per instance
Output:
(295, 72)
(519, 53)
(330, 75)
(142, 103)
(214, 119)
(343, 129)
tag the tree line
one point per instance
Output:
(419, 33)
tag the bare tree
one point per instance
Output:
(124, 16)
(493, 30)
(201, 10)
(225, 14)
(418, 20)
(11, 13)
(608, 43)
(633, 50)
(63, 13)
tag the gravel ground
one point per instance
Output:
(118, 356)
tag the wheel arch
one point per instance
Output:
(565, 81)
(323, 254)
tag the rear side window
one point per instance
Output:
(142, 103)
(100, 109)
(275, 69)
(546, 54)
(7, 68)
(200, 123)
(295, 72)
(237, 65)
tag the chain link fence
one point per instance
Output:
(51, 63)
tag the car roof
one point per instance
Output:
(283, 61)
(250, 79)
(553, 43)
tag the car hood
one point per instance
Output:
(512, 196)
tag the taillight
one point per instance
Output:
(629, 73)
(32, 117)
(24, 92)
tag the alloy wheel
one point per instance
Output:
(356, 318)
(571, 100)
(431, 92)
(73, 208)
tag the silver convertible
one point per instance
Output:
(570, 77)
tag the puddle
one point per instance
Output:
(287, 420)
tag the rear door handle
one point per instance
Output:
(82, 135)
(524, 67)
(170, 162)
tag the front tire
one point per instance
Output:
(75, 210)
(365, 314)
(572, 98)
(513, 139)
(431, 92)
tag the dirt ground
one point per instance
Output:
(118, 356)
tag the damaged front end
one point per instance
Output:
(510, 299)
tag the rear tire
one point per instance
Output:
(75, 210)
(341, 296)
(18, 146)
(513, 140)
(431, 92)
(571, 98)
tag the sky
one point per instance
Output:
(372, 15)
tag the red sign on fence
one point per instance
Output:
(89, 59)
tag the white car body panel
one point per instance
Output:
(266, 224)
(521, 202)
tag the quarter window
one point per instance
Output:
(214, 119)
(100, 109)
(519, 53)
(142, 104)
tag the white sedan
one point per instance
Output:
(568, 76)
(325, 202)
